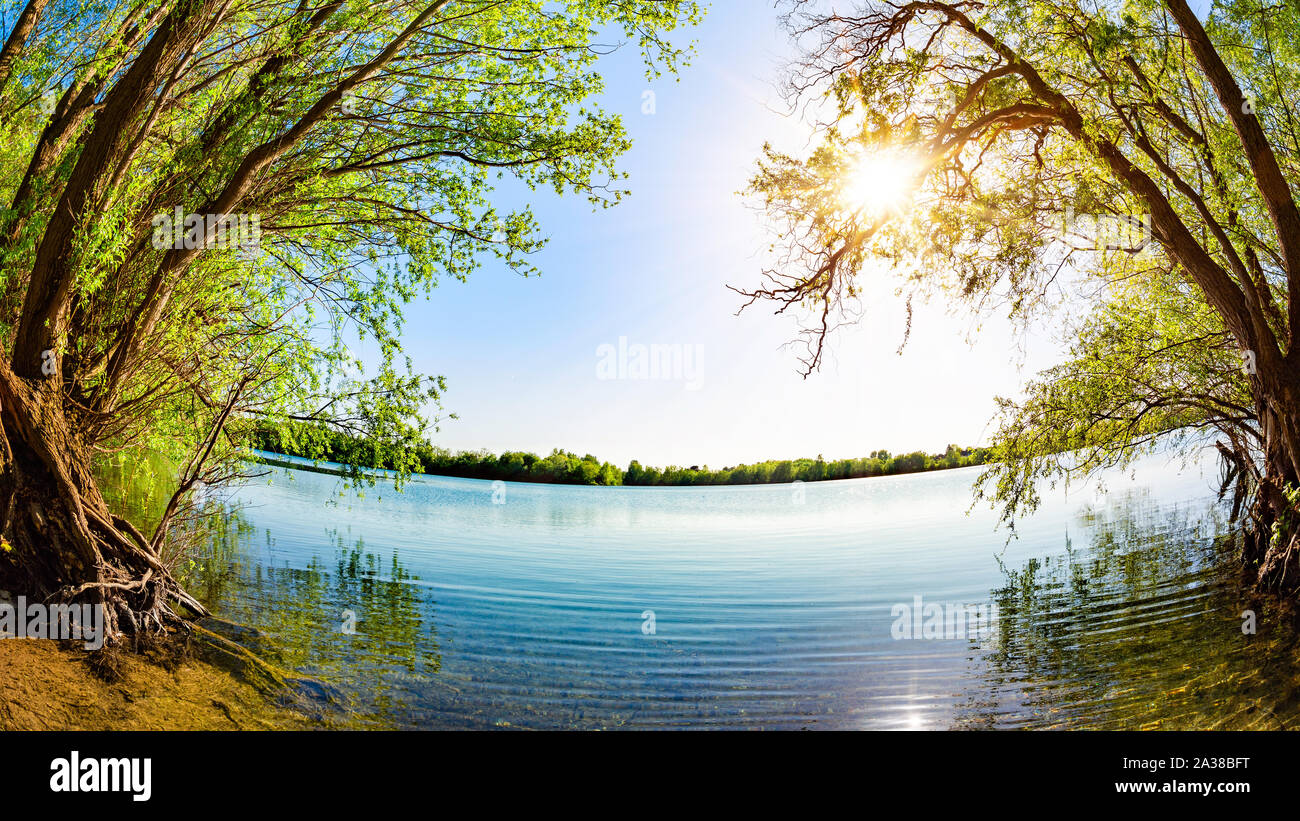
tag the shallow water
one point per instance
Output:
(542, 606)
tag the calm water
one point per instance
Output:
(772, 606)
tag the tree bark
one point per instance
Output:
(1271, 544)
(17, 40)
(63, 541)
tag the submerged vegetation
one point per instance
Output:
(563, 467)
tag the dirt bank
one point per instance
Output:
(44, 686)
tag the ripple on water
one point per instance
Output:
(766, 612)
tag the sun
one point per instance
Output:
(879, 183)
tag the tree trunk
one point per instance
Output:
(1272, 539)
(64, 544)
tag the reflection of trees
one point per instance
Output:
(303, 608)
(1142, 628)
(388, 607)
(298, 612)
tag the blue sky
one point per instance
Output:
(520, 355)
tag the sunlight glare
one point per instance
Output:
(879, 183)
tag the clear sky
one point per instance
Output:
(521, 355)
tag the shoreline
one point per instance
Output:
(47, 686)
(211, 682)
(283, 460)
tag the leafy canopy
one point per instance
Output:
(1004, 121)
(366, 137)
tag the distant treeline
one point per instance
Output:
(563, 467)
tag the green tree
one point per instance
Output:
(963, 143)
(358, 143)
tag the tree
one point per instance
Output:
(1125, 159)
(207, 200)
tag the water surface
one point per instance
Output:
(531, 606)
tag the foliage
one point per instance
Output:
(1011, 118)
(563, 467)
(366, 137)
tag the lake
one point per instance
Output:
(460, 603)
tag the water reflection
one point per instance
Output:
(1142, 628)
(357, 621)
(769, 613)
